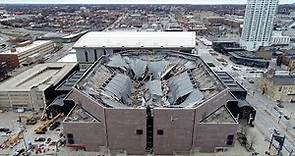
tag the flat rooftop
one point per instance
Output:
(246, 55)
(229, 81)
(139, 79)
(137, 40)
(41, 76)
(20, 50)
(282, 79)
(71, 57)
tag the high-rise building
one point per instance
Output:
(258, 23)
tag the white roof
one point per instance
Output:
(71, 57)
(137, 40)
(41, 76)
(35, 44)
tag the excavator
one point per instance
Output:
(43, 128)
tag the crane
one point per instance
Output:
(43, 128)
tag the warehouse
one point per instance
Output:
(140, 102)
(33, 88)
(93, 45)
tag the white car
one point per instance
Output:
(5, 135)
(20, 110)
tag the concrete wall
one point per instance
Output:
(210, 136)
(212, 104)
(22, 99)
(80, 55)
(121, 130)
(182, 130)
(92, 135)
(177, 125)
(89, 134)
(88, 104)
(205, 109)
(92, 54)
(121, 124)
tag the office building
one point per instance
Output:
(258, 24)
(19, 55)
(278, 86)
(287, 60)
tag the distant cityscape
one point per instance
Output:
(154, 79)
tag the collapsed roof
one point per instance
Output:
(140, 79)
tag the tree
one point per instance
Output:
(252, 139)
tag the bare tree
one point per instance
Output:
(252, 139)
(244, 129)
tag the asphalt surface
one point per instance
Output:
(266, 117)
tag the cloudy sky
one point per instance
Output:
(135, 1)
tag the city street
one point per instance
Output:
(267, 118)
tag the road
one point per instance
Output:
(110, 27)
(266, 117)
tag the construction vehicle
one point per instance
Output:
(13, 140)
(43, 128)
(30, 120)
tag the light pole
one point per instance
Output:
(22, 131)
(280, 117)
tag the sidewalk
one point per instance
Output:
(269, 107)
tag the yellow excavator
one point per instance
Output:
(43, 128)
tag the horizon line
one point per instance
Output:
(130, 4)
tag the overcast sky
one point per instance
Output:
(134, 1)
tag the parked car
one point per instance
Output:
(54, 126)
(276, 131)
(280, 105)
(18, 152)
(39, 139)
(52, 143)
(48, 140)
(20, 110)
(286, 117)
(4, 130)
(5, 134)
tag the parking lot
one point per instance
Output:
(39, 144)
